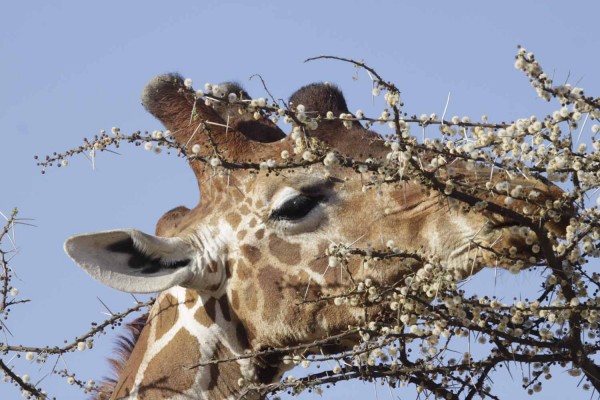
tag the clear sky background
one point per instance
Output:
(71, 68)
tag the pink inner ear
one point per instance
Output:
(131, 261)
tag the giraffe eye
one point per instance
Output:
(295, 208)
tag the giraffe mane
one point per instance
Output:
(124, 346)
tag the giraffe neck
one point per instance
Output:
(185, 329)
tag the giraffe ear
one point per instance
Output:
(133, 261)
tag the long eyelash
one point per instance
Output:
(295, 208)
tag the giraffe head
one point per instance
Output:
(262, 245)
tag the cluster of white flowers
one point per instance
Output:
(347, 120)
(331, 159)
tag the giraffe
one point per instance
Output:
(231, 271)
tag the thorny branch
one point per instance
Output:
(8, 295)
(423, 323)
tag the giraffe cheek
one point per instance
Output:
(233, 219)
(286, 252)
(272, 291)
(252, 253)
(242, 271)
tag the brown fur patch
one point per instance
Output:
(414, 225)
(241, 234)
(160, 380)
(271, 280)
(251, 253)
(259, 234)
(235, 299)
(286, 252)
(166, 316)
(244, 210)
(223, 373)
(250, 298)
(236, 195)
(233, 219)
(206, 315)
(243, 271)
(252, 223)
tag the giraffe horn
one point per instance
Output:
(261, 130)
(191, 120)
(319, 99)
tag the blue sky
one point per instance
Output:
(71, 68)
